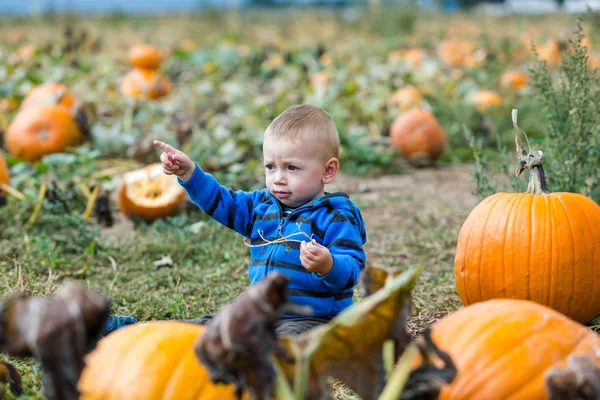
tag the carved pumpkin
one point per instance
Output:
(514, 80)
(537, 246)
(145, 83)
(502, 348)
(42, 129)
(149, 194)
(418, 137)
(49, 93)
(150, 361)
(4, 172)
(407, 97)
(146, 56)
(485, 99)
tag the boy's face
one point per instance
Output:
(294, 169)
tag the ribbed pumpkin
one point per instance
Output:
(485, 99)
(149, 194)
(145, 83)
(407, 97)
(535, 246)
(146, 56)
(42, 129)
(148, 362)
(49, 93)
(502, 348)
(4, 172)
(514, 80)
(418, 137)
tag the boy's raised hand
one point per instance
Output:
(175, 162)
(315, 257)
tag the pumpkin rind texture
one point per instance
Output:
(149, 194)
(148, 362)
(502, 348)
(146, 56)
(417, 135)
(49, 94)
(39, 130)
(539, 247)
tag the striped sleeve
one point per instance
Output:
(344, 240)
(231, 208)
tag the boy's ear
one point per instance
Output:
(331, 168)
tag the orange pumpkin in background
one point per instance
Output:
(514, 80)
(484, 100)
(150, 361)
(39, 130)
(503, 348)
(145, 83)
(48, 94)
(418, 137)
(4, 172)
(146, 56)
(407, 97)
(320, 79)
(149, 194)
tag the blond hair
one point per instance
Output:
(307, 122)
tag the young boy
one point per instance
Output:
(300, 150)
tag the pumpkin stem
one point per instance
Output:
(529, 159)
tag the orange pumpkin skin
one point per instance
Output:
(40, 130)
(418, 136)
(149, 194)
(320, 79)
(49, 93)
(486, 99)
(146, 56)
(145, 83)
(514, 80)
(407, 97)
(4, 172)
(503, 347)
(539, 247)
(147, 362)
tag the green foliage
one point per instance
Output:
(571, 101)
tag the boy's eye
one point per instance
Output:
(292, 167)
(270, 167)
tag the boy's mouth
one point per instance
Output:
(282, 195)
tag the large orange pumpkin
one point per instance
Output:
(4, 172)
(146, 56)
(149, 194)
(147, 362)
(535, 246)
(502, 348)
(145, 83)
(49, 93)
(418, 136)
(42, 129)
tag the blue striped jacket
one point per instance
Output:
(333, 220)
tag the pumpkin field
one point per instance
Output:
(471, 144)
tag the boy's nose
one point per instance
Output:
(279, 178)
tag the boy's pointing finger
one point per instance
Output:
(166, 147)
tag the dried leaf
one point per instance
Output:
(166, 261)
(237, 345)
(58, 332)
(10, 375)
(349, 348)
(578, 380)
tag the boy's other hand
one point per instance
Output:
(315, 257)
(175, 162)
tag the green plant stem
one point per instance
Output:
(395, 385)
(283, 391)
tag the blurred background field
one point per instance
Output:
(230, 72)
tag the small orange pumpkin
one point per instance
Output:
(49, 93)
(320, 79)
(4, 172)
(146, 56)
(39, 130)
(149, 194)
(150, 361)
(145, 83)
(485, 99)
(407, 97)
(515, 80)
(502, 348)
(551, 52)
(418, 137)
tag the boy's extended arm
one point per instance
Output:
(344, 240)
(231, 208)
